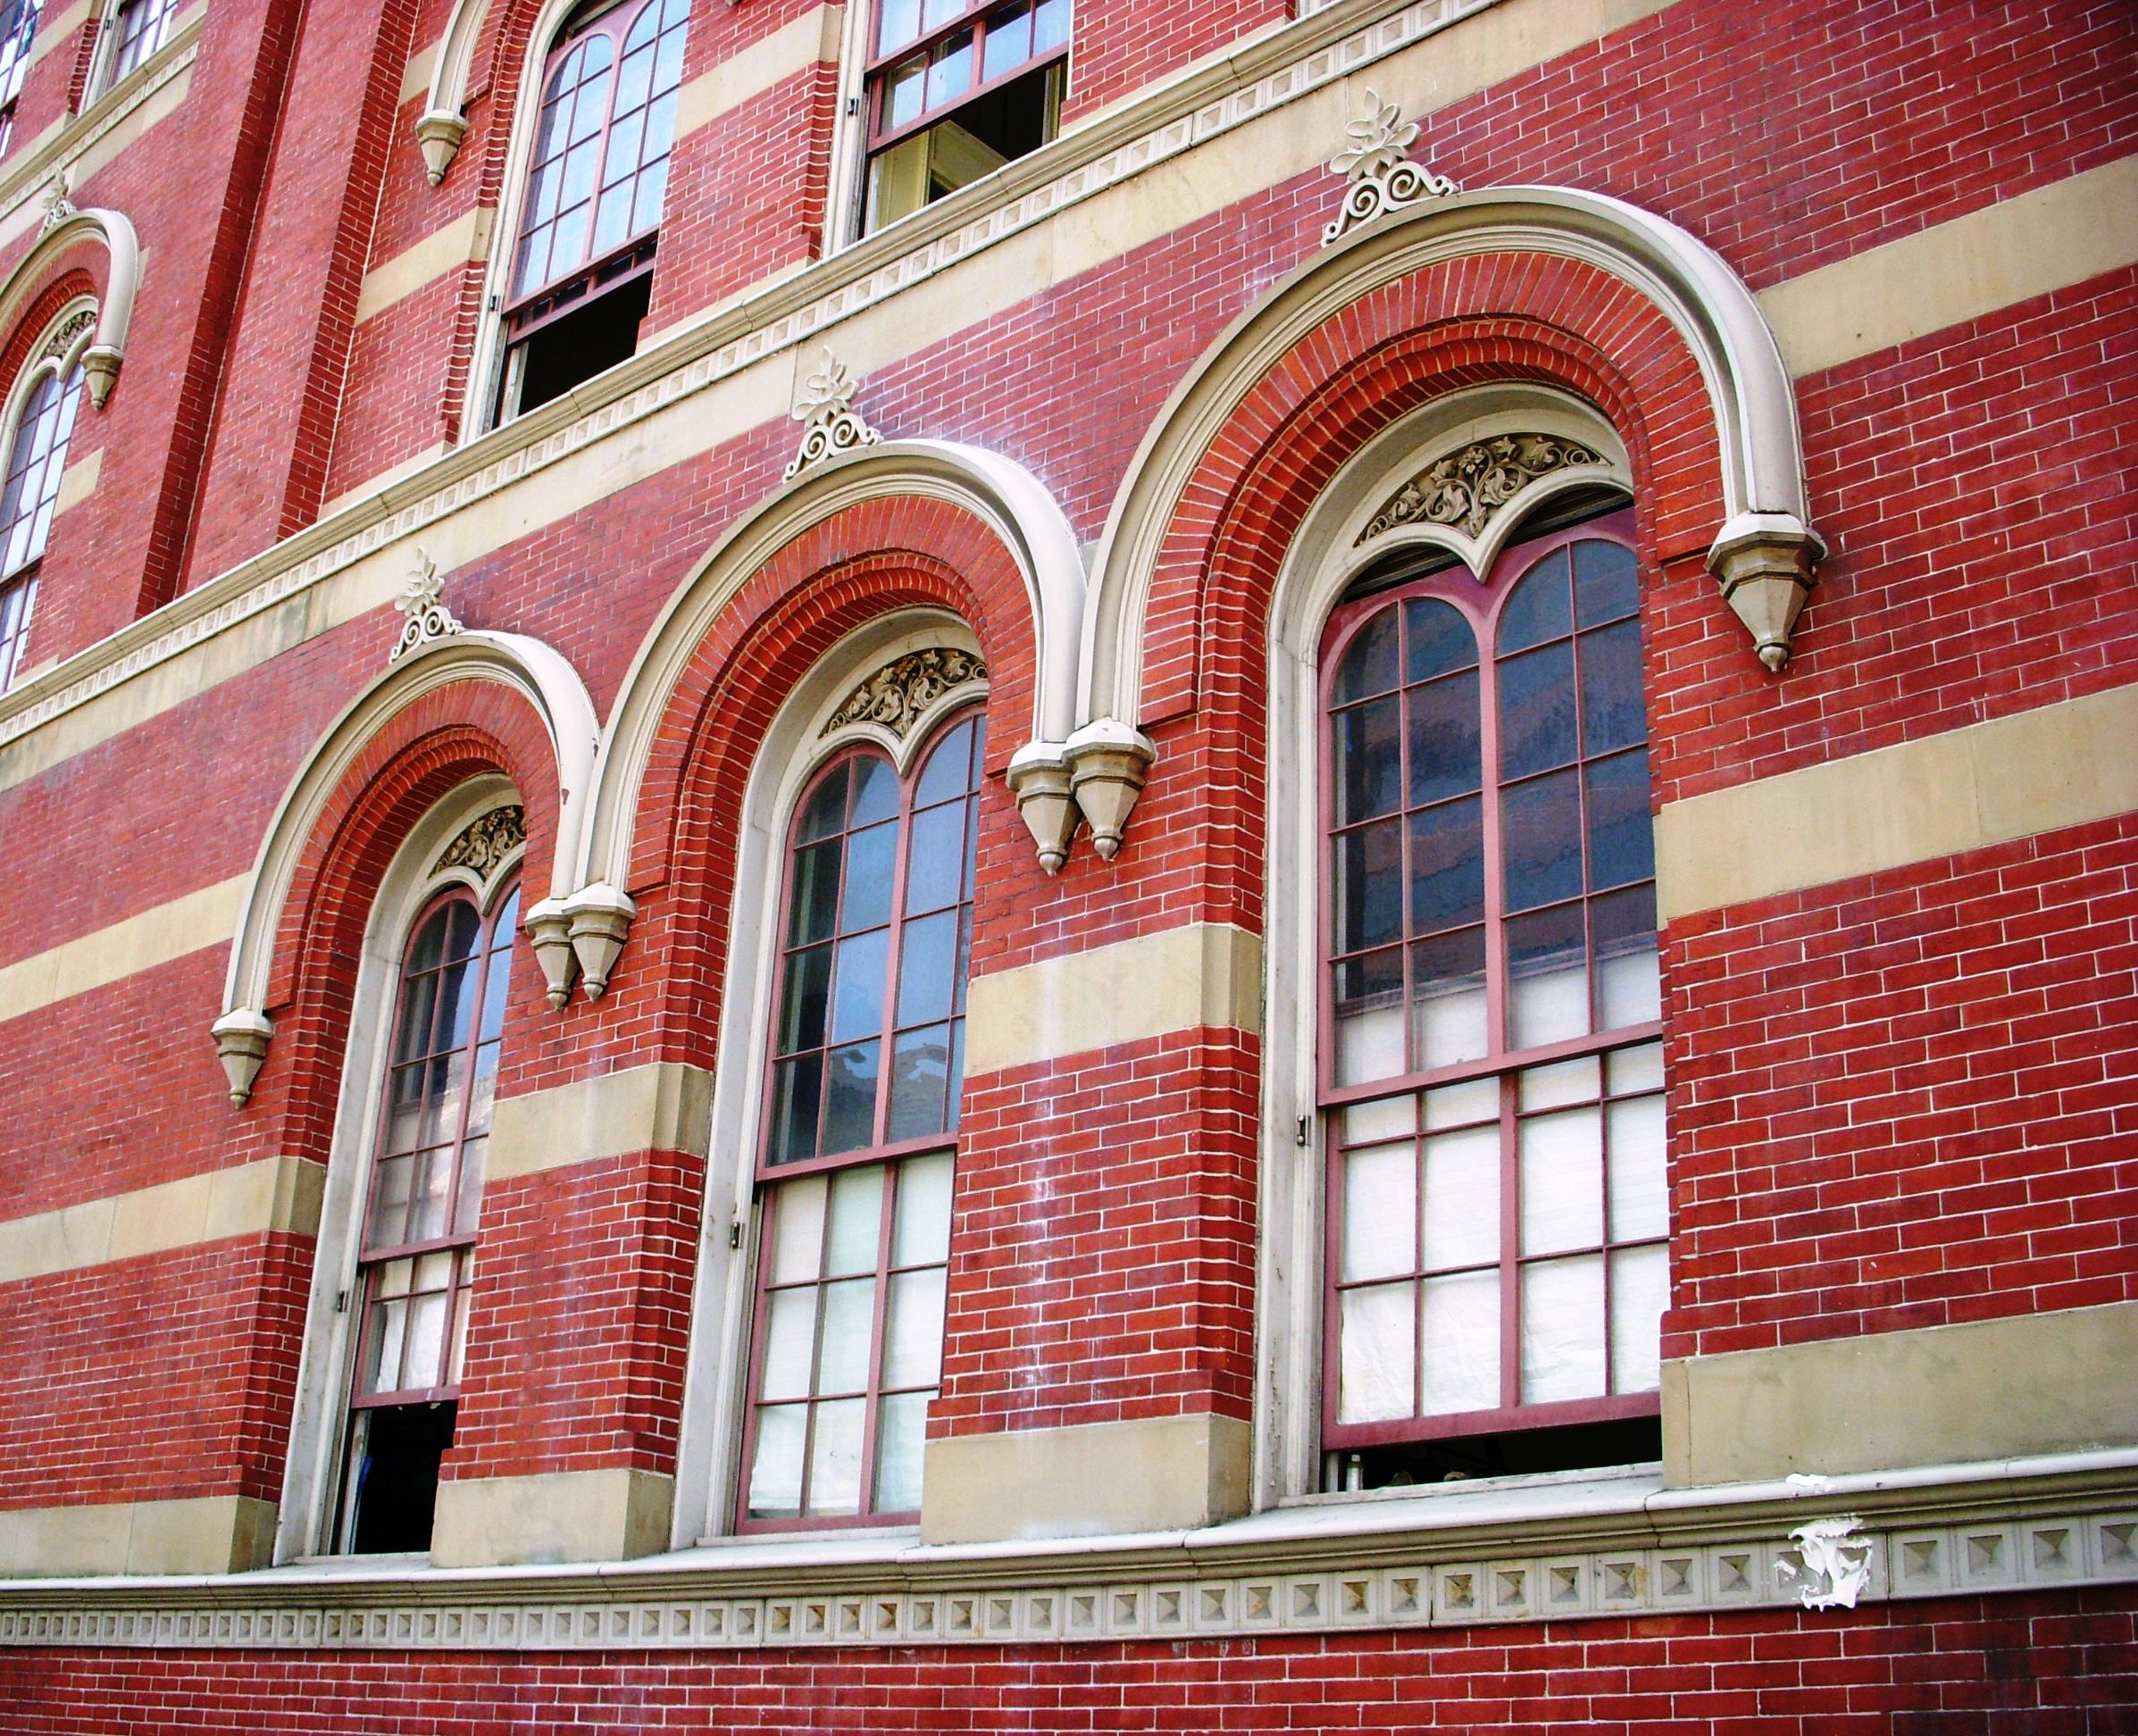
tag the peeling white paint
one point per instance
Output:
(1834, 1562)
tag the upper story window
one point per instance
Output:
(1492, 1060)
(18, 30)
(139, 29)
(867, 1058)
(955, 88)
(416, 1244)
(581, 272)
(46, 401)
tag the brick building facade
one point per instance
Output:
(1068, 865)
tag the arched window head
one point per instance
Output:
(18, 30)
(582, 272)
(40, 424)
(1491, 1038)
(416, 1245)
(854, 1172)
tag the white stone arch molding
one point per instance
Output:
(1005, 497)
(444, 122)
(526, 666)
(1764, 551)
(115, 309)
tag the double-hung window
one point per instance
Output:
(140, 28)
(36, 455)
(855, 1173)
(581, 277)
(1492, 1057)
(18, 30)
(955, 88)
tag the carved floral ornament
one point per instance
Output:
(486, 843)
(1466, 489)
(902, 692)
(830, 425)
(421, 601)
(66, 334)
(1377, 165)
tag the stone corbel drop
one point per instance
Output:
(600, 918)
(100, 369)
(1767, 564)
(548, 927)
(439, 134)
(1108, 761)
(1039, 777)
(241, 1039)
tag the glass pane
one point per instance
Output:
(499, 980)
(1630, 982)
(913, 1329)
(1462, 1197)
(1541, 824)
(426, 1363)
(1369, 661)
(418, 999)
(1605, 583)
(936, 860)
(1640, 1198)
(1556, 1086)
(1562, 1182)
(1461, 1106)
(1637, 1069)
(1537, 611)
(1639, 1286)
(429, 947)
(901, 1434)
(444, 1085)
(951, 74)
(382, 1359)
(1446, 865)
(897, 21)
(1438, 640)
(1547, 976)
(1563, 1330)
(805, 1000)
(1382, 1119)
(1369, 767)
(1381, 1212)
(920, 1066)
(1449, 1010)
(776, 1470)
(826, 810)
(1369, 1017)
(797, 1086)
(389, 1204)
(903, 93)
(842, 1361)
(875, 791)
(1446, 756)
(1008, 43)
(949, 771)
(857, 1221)
(927, 962)
(1369, 886)
(815, 905)
(1050, 25)
(790, 1343)
(835, 1457)
(857, 1004)
(1459, 1367)
(1611, 710)
(923, 1230)
(467, 1205)
(1536, 711)
(850, 1102)
(1377, 1334)
(434, 1172)
(1622, 840)
(872, 859)
(798, 1230)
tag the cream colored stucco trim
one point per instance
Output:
(1094, 1479)
(78, 481)
(795, 47)
(609, 1515)
(465, 240)
(2057, 1382)
(271, 1195)
(1992, 258)
(385, 479)
(664, 1105)
(1179, 979)
(207, 1535)
(416, 77)
(2060, 764)
(202, 918)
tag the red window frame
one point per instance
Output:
(893, 1154)
(37, 457)
(976, 15)
(1482, 604)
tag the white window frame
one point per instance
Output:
(104, 52)
(708, 1460)
(304, 1528)
(1323, 559)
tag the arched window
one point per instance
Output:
(1491, 1065)
(415, 1247)
(41, 423)
(854, 1174)
(18, 30)
(582, 272)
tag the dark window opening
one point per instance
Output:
(1528, 1452)
(568, 333)
(394, 1491)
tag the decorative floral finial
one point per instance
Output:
(1377, 164)
(826, 410)
(58, 207)
(421, 601)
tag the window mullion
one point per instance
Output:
(894, 953)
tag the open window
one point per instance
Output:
(581, 277)
(132, 31)
(40, 423)
(953, 90)
(1491, 1054)
(18, 30)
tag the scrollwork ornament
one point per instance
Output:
(422, 602)
(484, 845)
(57, 203)
(904, 690)
(66, 333)
(830, 424)
(1382, 177)
(1466, 488)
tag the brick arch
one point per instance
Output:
(68, 281)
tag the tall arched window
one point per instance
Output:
(41, 424)
(581, 272)
(1491, 1066)
(855, 1171)
(416, 1252)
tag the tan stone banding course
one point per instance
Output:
(203, 1534)
(664, 1105)
(465, 240)
(205, 917)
